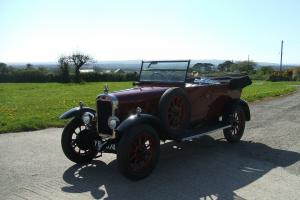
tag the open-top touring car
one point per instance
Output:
(167, 103)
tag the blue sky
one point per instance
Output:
(41, 31)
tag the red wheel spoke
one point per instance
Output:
(176, 112)
(141, 152)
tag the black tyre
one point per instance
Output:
(138, 152)
(77, 142)
(174, 111)
(236, 117)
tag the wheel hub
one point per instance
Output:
(234, 123)
(84, 140)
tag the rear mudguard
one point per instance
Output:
(243, 104)
(77, 112)
(135, 120)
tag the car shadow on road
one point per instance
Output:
(202, 169)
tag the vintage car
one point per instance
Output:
(167, 103)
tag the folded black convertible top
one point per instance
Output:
(239, 82)
(235, 82)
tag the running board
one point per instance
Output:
(204, 130)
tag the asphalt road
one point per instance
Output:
(265, 165)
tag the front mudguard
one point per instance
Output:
(137, 119)
(77, 112)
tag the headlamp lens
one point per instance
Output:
(86, 118)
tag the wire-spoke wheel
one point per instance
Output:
(77, 142)
(141, 152)
(236, 118)
(138, 152)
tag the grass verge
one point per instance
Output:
(262, 89)
(32, 106)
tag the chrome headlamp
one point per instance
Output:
(112, 122)
(87, 117)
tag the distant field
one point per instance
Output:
(32, 106)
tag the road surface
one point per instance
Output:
(265, 165)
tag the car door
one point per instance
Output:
(218, 97)
(199, 97)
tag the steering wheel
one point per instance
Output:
(163, 77)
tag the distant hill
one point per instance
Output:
(135, 64)
(34, 64)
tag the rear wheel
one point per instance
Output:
(236, 117)
(77, 142)
(138, 152)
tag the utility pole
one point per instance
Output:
(248, 59)
(281, 55)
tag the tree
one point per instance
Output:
(64, 68)
(225, 66)
(79, 59)
(203, 67)
(266, 69)
(244, 66)
(3, 68)
(28, 65)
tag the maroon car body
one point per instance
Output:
(207, 101)
(168, 102)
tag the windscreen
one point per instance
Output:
(164, 71)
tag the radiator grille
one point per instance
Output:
(104, 111)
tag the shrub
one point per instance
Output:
(286, 75)
(296, 74)
(258, 76)
(32, 75)
(94, 77)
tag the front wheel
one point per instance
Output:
(77, 142)
(138, 152)
(236, 118)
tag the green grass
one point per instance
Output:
(262, 89)
(32, 106)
